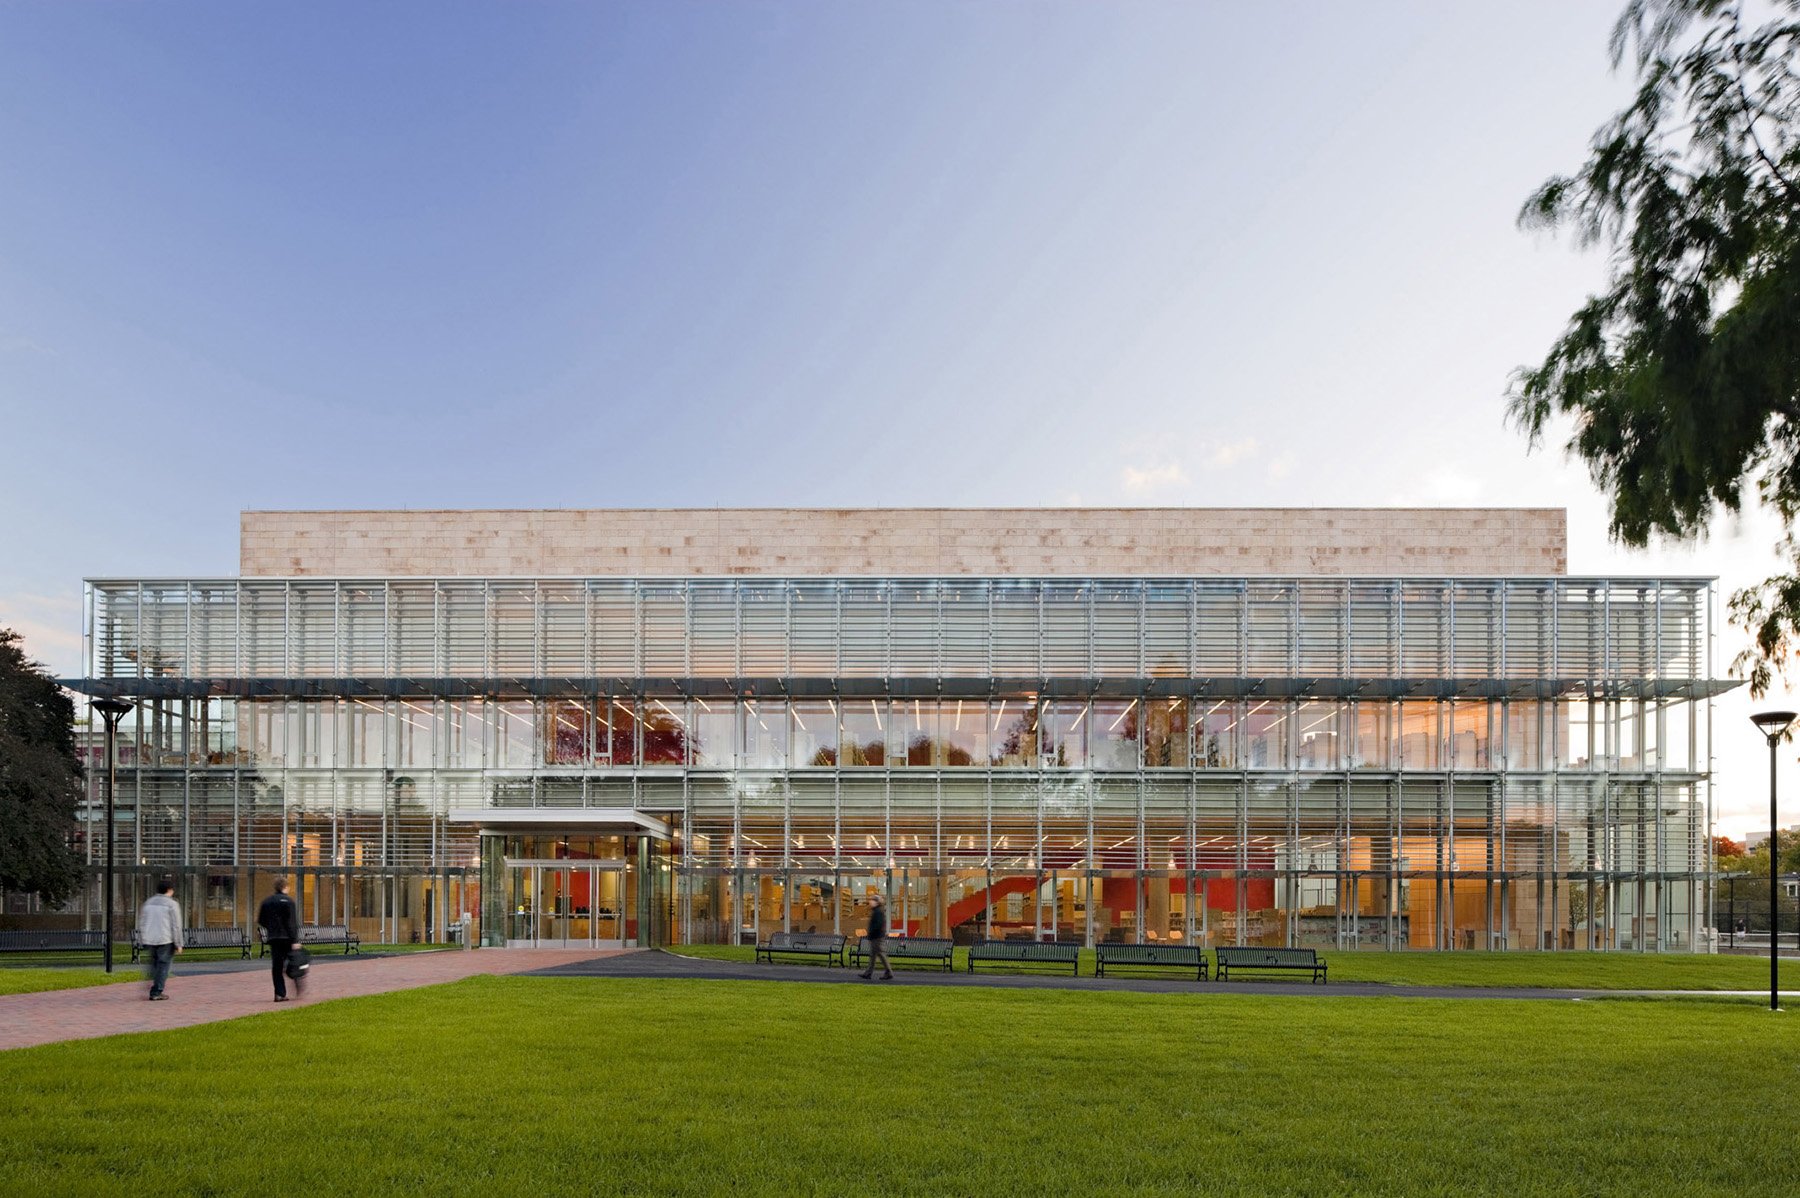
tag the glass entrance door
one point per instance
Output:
(571, 903)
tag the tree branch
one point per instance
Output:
(1750, 116)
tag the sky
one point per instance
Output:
(785, 254)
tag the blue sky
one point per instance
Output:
(682, 254)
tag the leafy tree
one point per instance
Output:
(1682, 377)
(40, 779)
(1756, 861)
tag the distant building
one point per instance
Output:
(1752, 839)
(1398, 728)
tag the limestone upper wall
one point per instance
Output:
(889, 541)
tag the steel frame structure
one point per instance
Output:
(1612, 649)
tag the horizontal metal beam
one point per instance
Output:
(1269, 687)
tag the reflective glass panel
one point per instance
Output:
(1166, 733)
(1065, 734)
(664, 732)
(712, 733)
(512, 732)
(1266, 730)
(815, 732)
(615, 729)
(1114, 740)
(765, 745)
(962, 732)
(863, 732)
(1317, 734)
(1012, 739)
(565, 732)
(915, 739)
(1215, 735)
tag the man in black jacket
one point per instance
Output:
(877, 936)
(280, 920)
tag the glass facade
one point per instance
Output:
(1449, 763)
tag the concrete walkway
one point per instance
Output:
(218, 990)
(662, 964)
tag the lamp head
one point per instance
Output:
(112, 708)
(1773, 723)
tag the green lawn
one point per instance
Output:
(525, 1085)
(28, 979)
(1590, 971)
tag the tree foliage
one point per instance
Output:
(1682, 377)
(40, 779)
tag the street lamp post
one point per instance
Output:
(1774, 726)
(112, 711)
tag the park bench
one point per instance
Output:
(829, 945)
(202, 938)
(1174, 956)
(928, 949)
(1270, 958)
(74, 941)
(323, 933)
(1026, 952)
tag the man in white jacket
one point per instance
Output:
(159, 931)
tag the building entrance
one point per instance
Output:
(569, 904)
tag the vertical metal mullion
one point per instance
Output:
(1193, 640)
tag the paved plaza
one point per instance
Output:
(211, 991)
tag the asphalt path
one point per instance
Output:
(671, 966)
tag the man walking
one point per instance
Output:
(159, 931)
(280, 921)
(877, 936)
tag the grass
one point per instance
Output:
(516, 1085)
(1557, 971)
(32, 976)
(29, 979)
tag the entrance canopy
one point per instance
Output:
(586, 819)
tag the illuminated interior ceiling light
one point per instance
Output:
(875, 709)
(1000, 712)
(800, 723)
(1110, 727)
(1079, 718)
(703, 704)
(1321, 720)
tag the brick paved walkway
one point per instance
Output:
(195, 998)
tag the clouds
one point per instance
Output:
(1146, 480)
(1159, 473)
(1450, 484)
(50, 626)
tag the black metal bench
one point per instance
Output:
(1026, 952)
(1174, 956)
(829, 945)
(203, 938)
(1303, 959)
(927, 949)
(72, 941)
(324, 933)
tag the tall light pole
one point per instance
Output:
(1774, 726)
(112, 711)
